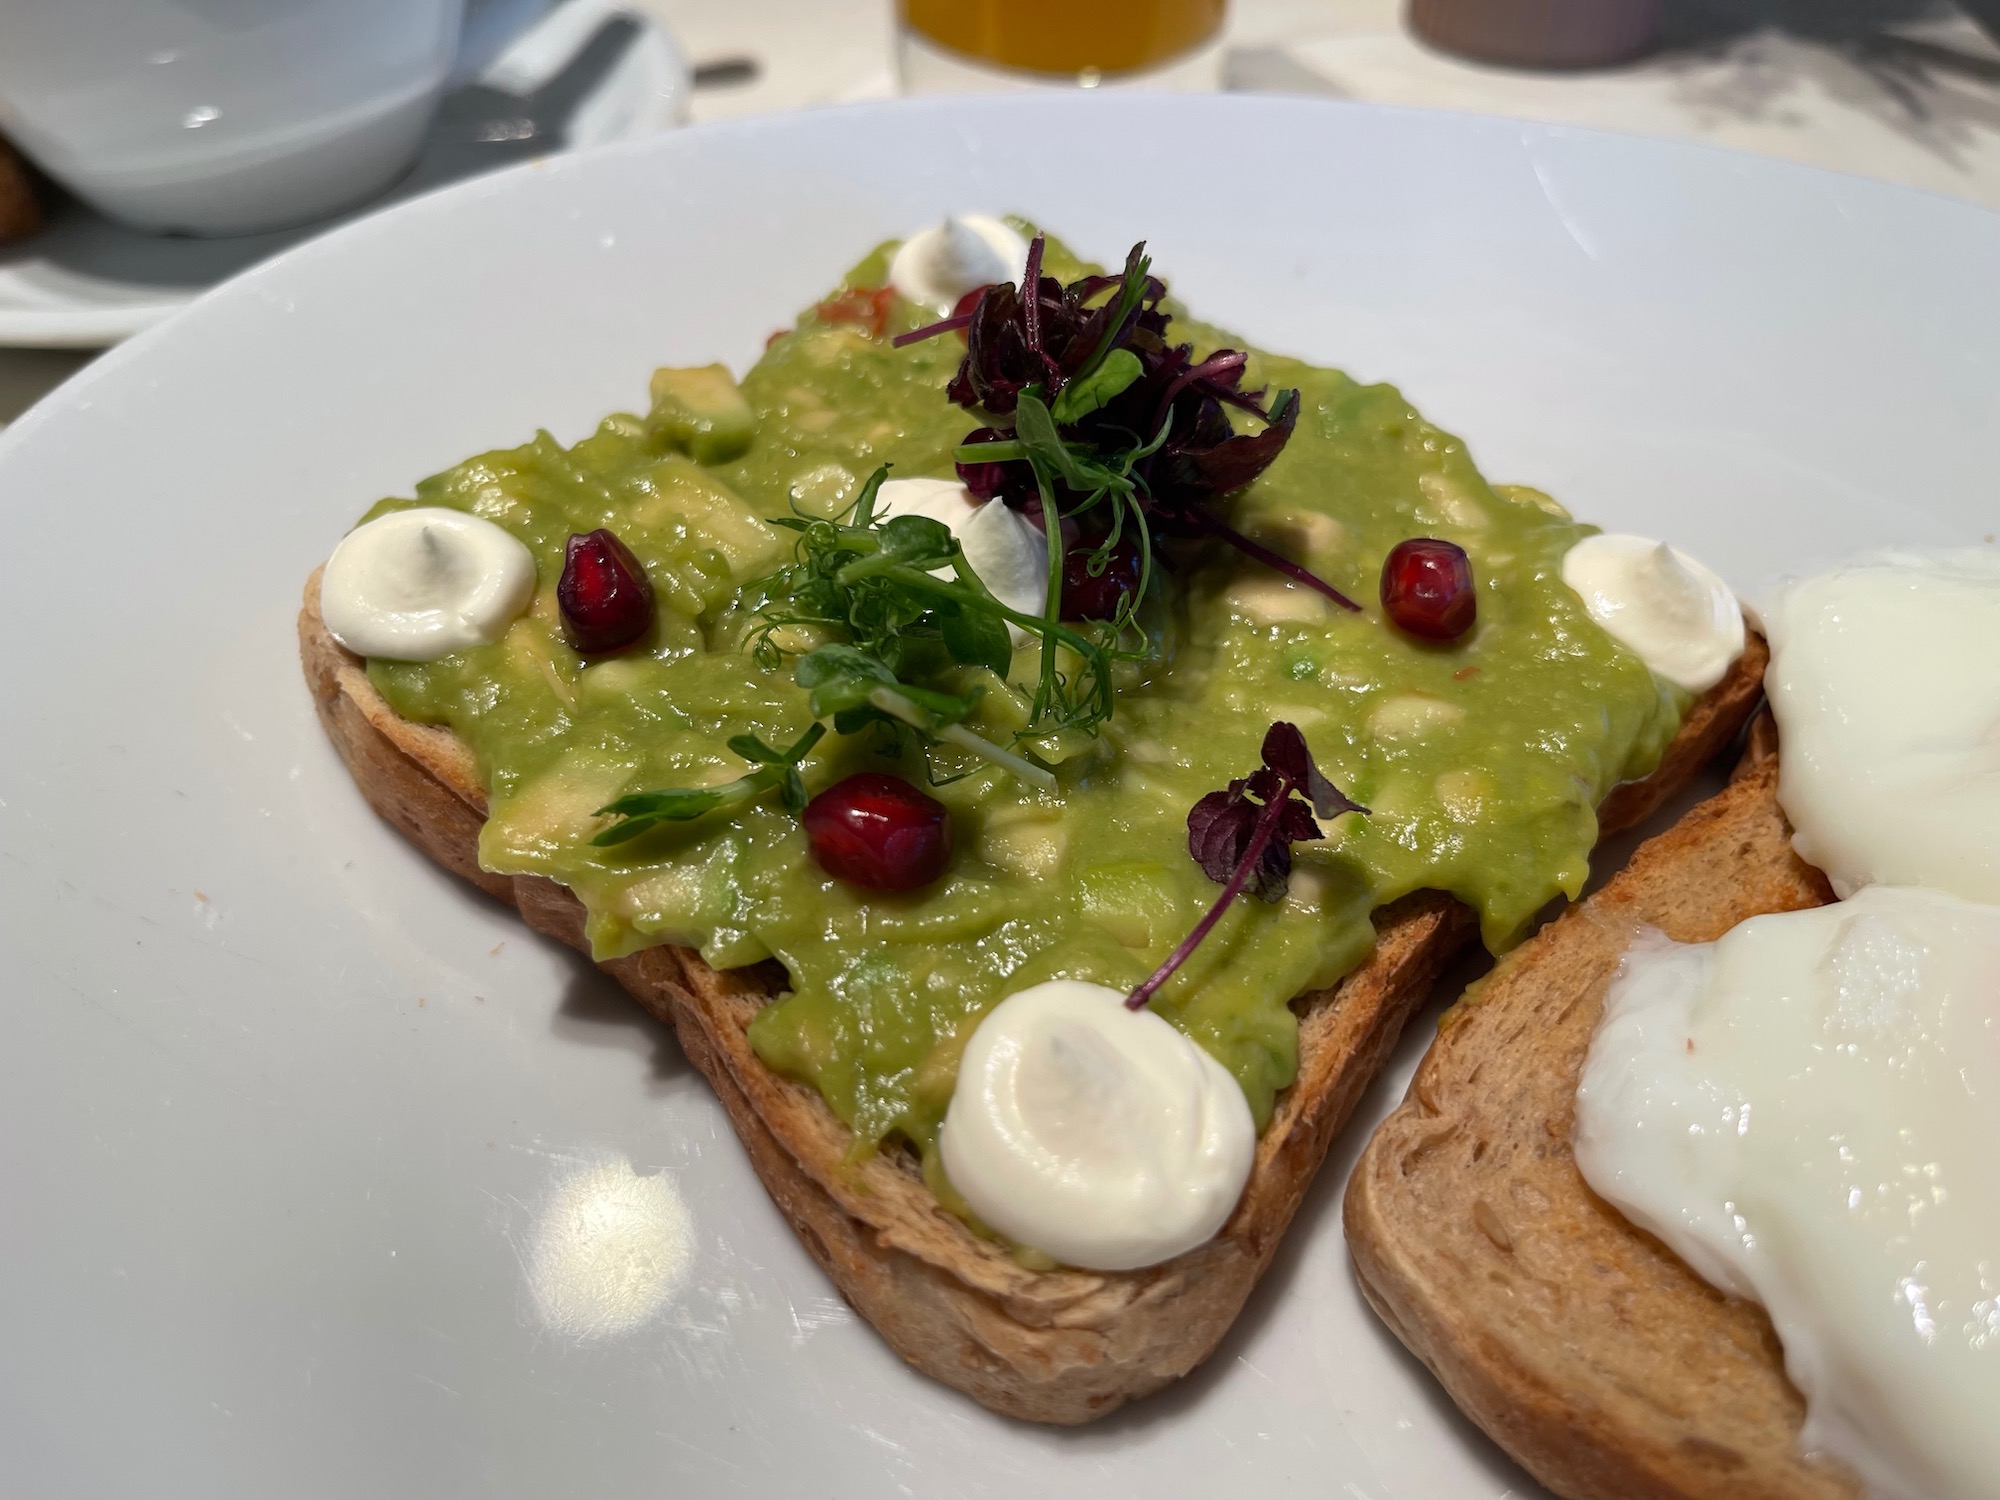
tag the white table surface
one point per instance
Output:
(1906, 90)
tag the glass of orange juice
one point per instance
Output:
(955, 46)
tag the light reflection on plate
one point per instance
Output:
(609, 1249)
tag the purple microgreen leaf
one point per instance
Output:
(1260, 553)
(1267, 783)
(1216, 833)
(1271, 871)
(1242, 837)
(1284, 751)
(1031, 297)
(997, 362)
(1297, 824)
(1220, 369)
(1227, 465)
(1259, 839)
(932, 330)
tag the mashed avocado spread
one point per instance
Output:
(1481, 761)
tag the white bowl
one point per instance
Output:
(223, 119)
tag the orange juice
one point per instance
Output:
(1076, 37)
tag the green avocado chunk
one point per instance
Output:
(1482, 761)
(702, 413)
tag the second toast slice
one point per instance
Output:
(1582, 1345)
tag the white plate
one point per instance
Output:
(86, 282)
(284, 1110)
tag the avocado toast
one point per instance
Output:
(829, 1021)
(1043, 1345)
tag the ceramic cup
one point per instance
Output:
(222, 116)
(1539, 33)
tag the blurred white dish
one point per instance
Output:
(223, 119)
(583, 74)
(290, 1118)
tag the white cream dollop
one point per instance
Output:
(1680, 618)
(415, 585)
(1010, 556)
(1885, 679)
(938, 265)
(1100, 1135)
(1808, 1112)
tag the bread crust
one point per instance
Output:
(1060, 1346)
(1585, 1347)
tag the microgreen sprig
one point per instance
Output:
(1243, 837)
(855, 689)
(1094, 409)
(878, 584)
(641, 812)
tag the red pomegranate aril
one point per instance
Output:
(1427, 589)
(1098, 598)
(878, 832)
(606, 598)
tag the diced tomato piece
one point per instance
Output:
(866, 307)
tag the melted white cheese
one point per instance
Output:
(1885, 679)
(1100, 1135)
(1010, 556)
(1808, 1113)
(937, 266)
(415, 585)
(1680, 618)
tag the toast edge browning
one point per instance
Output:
(1582, 1345)
(1063, 1346)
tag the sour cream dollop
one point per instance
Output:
(1680, 618)
(1885, 679)
(1808, 1112)
(1010, 556)
(416, 585)
(937, 266)
(1100, 1135)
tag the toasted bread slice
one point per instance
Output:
(1049, 1346)
(1584, 1346)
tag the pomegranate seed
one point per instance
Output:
(1427, 588)
(1088, 598)
(606, 599)
(879, 832)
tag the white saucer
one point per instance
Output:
(580, 74)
